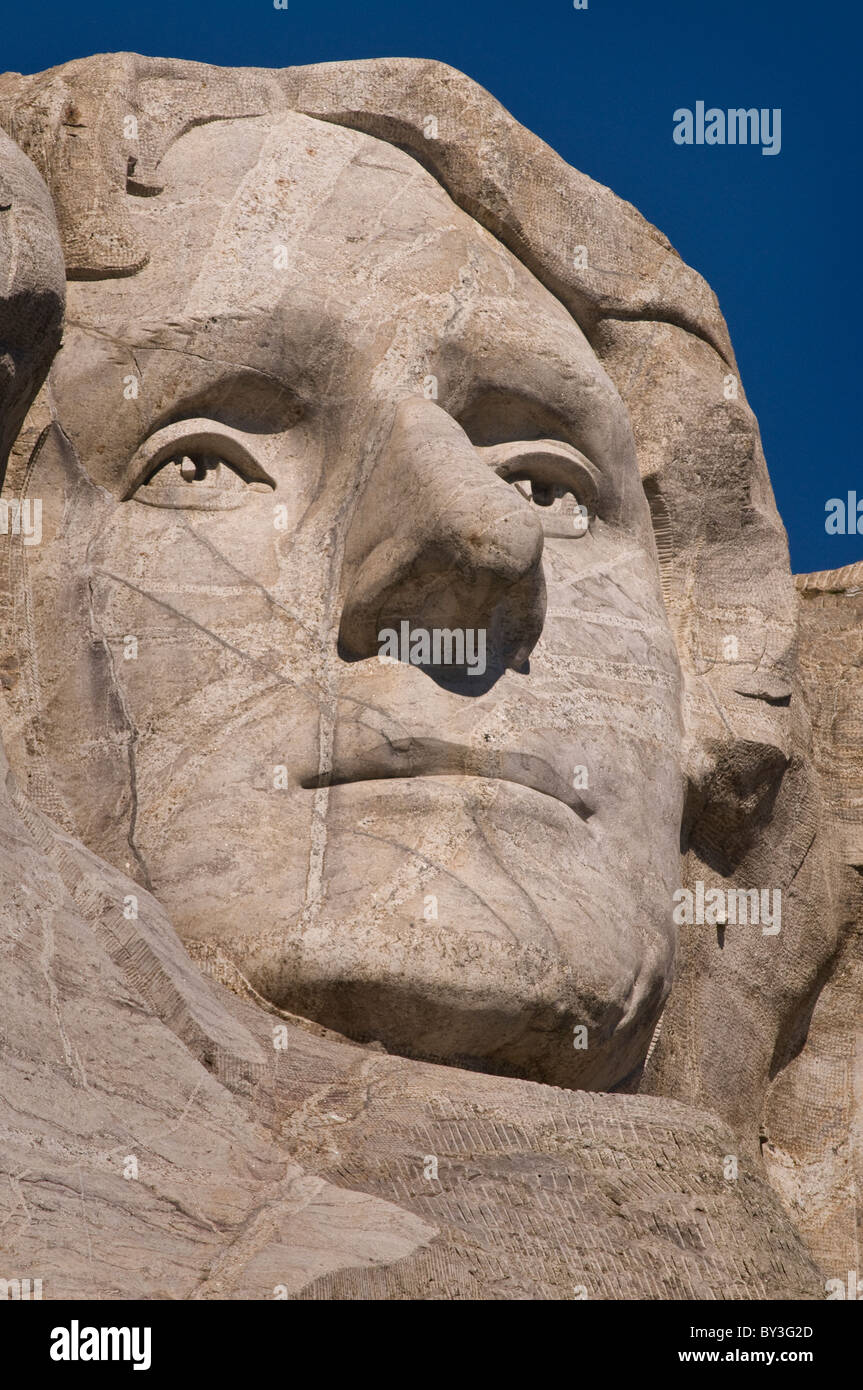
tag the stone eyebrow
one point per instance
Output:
(241, 398)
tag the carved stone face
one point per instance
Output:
(332, 404)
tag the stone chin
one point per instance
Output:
(496, 931)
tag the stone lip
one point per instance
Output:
(429, 757)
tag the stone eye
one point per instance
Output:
(197, 465)
(552, 475)
(564, 516)
(197, 468)
(203, 482)
(543, 494)
(193, 470)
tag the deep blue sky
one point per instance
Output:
(776, 237)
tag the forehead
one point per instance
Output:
(326, 228)
(332, 267)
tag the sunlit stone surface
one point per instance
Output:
(323, 377)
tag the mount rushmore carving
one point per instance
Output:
(334, 975)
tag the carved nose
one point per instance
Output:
(440, 540)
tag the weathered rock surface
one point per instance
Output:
(290, 290)
(812, 1125)
(33, 289)
(129, 1169)
(534, 1193)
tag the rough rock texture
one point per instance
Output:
(94, 1081)
(32, 291)
(129, 1169)
(831, 636)
(814, 1119)
(536, 1193)
(346, 347)
(542, 1193)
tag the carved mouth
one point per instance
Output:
(398, 759)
